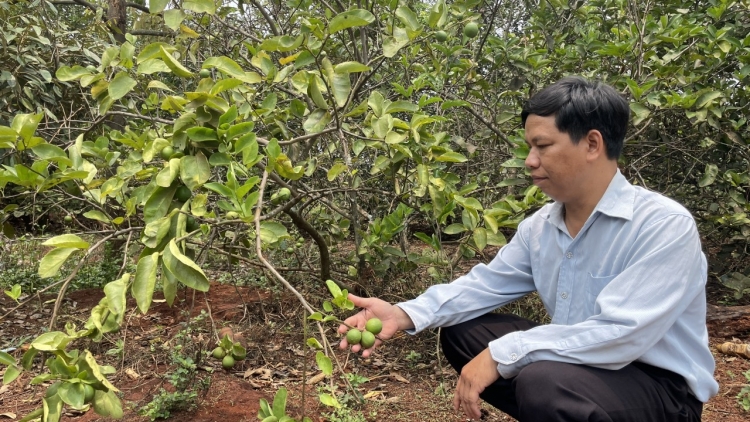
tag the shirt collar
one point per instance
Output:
(618, 201)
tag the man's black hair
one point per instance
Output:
(580, 105)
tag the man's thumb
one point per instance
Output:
(359, 302)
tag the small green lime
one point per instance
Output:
(374, 325)
(183, 193)
(368, 340)
(284, 194)
(227, 362)
(219, 353)
(191, 225)
(441, 36)
(88, 393)
(204, 73)
(353, 336)
(68, 218)
(167, 152)
(471, 29)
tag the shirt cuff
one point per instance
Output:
(417, 314)
(507, 351)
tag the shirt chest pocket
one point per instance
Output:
(595, 284)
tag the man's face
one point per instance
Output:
(556, 164)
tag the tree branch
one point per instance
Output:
(140, 116)
(486, 122)
(267, 17)
(151, 32)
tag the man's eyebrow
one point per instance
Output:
(536, 139)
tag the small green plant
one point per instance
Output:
(743, 398)
(277, 411)
(413, 357)
(14, 292)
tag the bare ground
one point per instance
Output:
(406, 381)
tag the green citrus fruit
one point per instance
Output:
(167, 152)
(353, 336)
(204, 73)
(232, 215)
(219, 353)
(284, 194)
(374, 325)
(88, 393)
(471, 29)
(183, 193)
(191, 225)
(441, 36)
(227, 362)
(68, 219)
(368, 340)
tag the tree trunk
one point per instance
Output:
(117, 19)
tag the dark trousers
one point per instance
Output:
(554, 391)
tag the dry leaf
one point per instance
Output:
(3, 389)
(372, 394)
(8, 415)
(316, 379)
(399, 378)
(130, 372)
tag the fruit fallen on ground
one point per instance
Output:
(227, 362)
(219, 353)
(183, 193)
(167, 152)
(368, 340)
(204, 73)
(374, 325)
(353, 336)
(441, 36)
(88, 393)
(471, 29)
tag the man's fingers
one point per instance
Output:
(359, 302)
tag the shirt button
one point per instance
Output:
(569, 255)
(564, 295)
(513, 357)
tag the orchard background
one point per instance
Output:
(156, 157)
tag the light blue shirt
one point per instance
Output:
(629, 287)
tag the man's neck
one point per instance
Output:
(577, 212)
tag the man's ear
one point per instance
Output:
(595, 145)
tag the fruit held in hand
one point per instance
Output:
(471, 29)
(219, 353)
(227, 362)
(353, 336)
(374, 325)
(368, 340)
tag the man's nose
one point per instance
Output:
(532, 160)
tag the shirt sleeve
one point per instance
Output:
(632, 313)
(487, 286)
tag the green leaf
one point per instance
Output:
(120, 86)
(200, 6)
(194, 170)
(324, 363)
(350, 67)
(707, 98)
(157, 6)
(230, 68)
(392, 44)
(480, 238)
(341, 87)
(333, 288)
(709, 175)
(201, 134)
(279, 403)
(7, 359)
(184, 269)
(641, 112)
(282, 43)
(317, 121)
(51, 152)
(314, 343)
(72, 394)
(452, 157)
(51, 263)
(174, 65)
(454, 228)
(408, 18)
(335, 170)
(173, 18)
(271, 231)
(51, 341)
(145, 281)
(52, 408)
(66, 241)
(329, 400)
(438, 15)
(349, 19)
(11, 373)
(115, 291)
(401, 106)
(66, 74)
(107, 404)
(169, 284)
(147, 67)
(25, 124)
